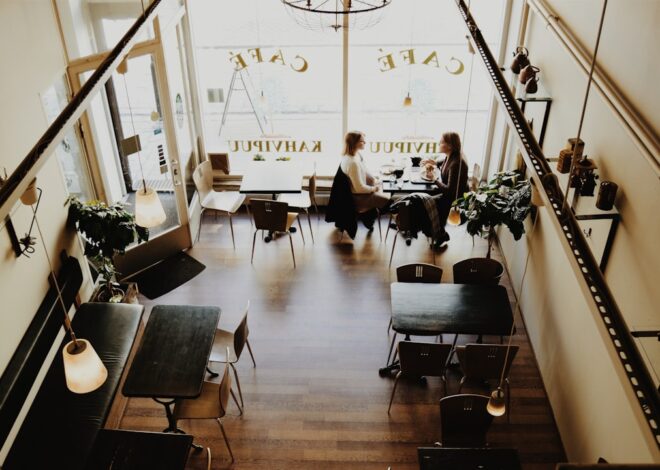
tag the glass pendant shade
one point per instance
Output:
(30, 196)
(83, 370)
(454, 217)
(149, 211)
(407, 101)
(496, 406)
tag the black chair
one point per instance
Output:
(404, 226)
(484, 271)
(464, 420)
(419, 272)
(421, 360)
(483, 362)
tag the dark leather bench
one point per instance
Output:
(61, 427)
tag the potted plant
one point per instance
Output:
(107, 231)
(504, 200)
(258, 158)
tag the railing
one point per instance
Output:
(603, 302)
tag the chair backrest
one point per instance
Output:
(203, 178)
(220, 162)
(464, 420)
(403, 218)
(241, 333)
(478, 271)
(419, 272)
(486, 361)
(423, 359)
(312, 188)
(224, 390)
(269, 215)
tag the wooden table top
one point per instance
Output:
(172, 357)
(448, 458)
(430, 309)
(271, 178)
(135, 450)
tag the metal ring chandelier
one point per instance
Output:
(325, 14)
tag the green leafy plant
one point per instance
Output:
(283, 159)
(107, 231)
(258, 158)
(504, 200)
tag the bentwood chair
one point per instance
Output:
(421, 360)
(304, 201)
(228, 346)
(483, 362)
(273, 216)
(464, 420)
(220, 201)
(483, 271)
(211, 404)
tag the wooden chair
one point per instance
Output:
(304, 201)
(482, 271)
(228, 346)
(273, 216)
(211, 404)
(464, 420)
(421, 360)
(482, 362)
(220, 201)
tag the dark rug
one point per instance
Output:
(167, 275)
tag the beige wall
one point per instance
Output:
(32, 59)
(593, 405)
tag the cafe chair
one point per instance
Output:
(464, 420)
(483, 362)
(403, 225)
(273, 216)
(483, 271)
(421, 360)
(219, 201)
(211, 404)
(304, 201)
(228, 346)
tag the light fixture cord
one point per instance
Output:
(515, 310)
(67, 321)
(467, 108)
(130, 111)
(584, 104)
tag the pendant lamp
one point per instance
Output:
(84, 371)
(149, 210)
(407, 101)
(454, 217)
(496, 406)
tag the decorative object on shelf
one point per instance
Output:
(528, 73)
(583, 177)
(504, 200)
(149, 210)
(107, 231)
(532, 85)
(564, 161)
(520, 59)
(575, 146)
(606, 195)
(320, 15)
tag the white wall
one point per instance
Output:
(593, 406)
(31, 54)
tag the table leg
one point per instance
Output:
(171, 422)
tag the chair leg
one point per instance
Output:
(233, 395)
(309, 221)
(238, 384)
(292, 253)
(389, 354)
(254, 241)
(444, 383)
(389, 326)
(247, 343)
(201, 219)
(318, 214)
(247, 207)
(224, 435)
(231, 227)
(387, 232)
(396, 381)
(460, 385)
(302, 235)
(208, 460)
(380, 230)
(396, 235)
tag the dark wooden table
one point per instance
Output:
(172, 358)
(134, 450)
(271, 178)
(433, 309)
(448, 458)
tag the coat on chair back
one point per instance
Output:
(341, 207)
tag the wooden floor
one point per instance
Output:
(319, 335)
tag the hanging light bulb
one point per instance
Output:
(262, 98)
(83, 369)
(407, 101)
(496, 406)
(454, 217)
(149, 211)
